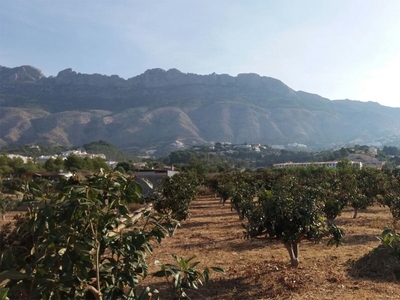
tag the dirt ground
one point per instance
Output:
(259, 269)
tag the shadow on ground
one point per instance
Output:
(361, 239)
(377, 265)
(246, 285)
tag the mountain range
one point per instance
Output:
(159, 107)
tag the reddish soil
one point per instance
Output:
(260, 269)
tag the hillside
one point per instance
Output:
(159, 107)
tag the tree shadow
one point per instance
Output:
(249, 284)
(220, 289)
(372, 210)
(228, 214)
(195, 224)
(253, 244)
(359, 221)
(229, 226)
(378, 265)
(361, 239)
(206, 244)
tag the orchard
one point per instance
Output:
(79, 239)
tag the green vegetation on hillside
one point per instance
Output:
(109, 150)
(225, 156)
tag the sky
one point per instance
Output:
(338, 49)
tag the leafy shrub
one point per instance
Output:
(184, 275)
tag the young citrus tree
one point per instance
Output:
(245, 188)
(71, 246)
(184, 275)
(294, 211)
(175, 195)
(222, 186)
(5, 202)
(390, 237)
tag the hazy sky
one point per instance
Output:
(335, 48)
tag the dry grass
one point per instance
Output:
(259, 269)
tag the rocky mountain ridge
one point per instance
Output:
(159, 107)
(151, 78)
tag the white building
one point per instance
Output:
(328, 164)
(24, 158)
(43, 158)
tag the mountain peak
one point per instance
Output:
(68, 76)
(24, 73)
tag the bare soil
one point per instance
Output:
(260, 269)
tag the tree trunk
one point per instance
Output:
(240, 214)
(293, 249)
(94, 291)
(355, 213)
(296, 251)
(175, 228)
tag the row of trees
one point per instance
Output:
(79, 240)
(302, 203)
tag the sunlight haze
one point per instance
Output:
(337, 49)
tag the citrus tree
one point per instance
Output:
(5, 202)
(390, 237)
(293, 210)
(184, 275)
(244, 188)
(221, 185)
(71, 245)
(359, 187)
(175, 195)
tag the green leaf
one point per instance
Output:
(218, 270)
(3, 293)
(123, 210)
(12, 275)
(162, 273)
(387, 231)
(177, 279)
(148, 182)
(194, 284)
(206, 275)
(107, 267)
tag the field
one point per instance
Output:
(259, 269)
